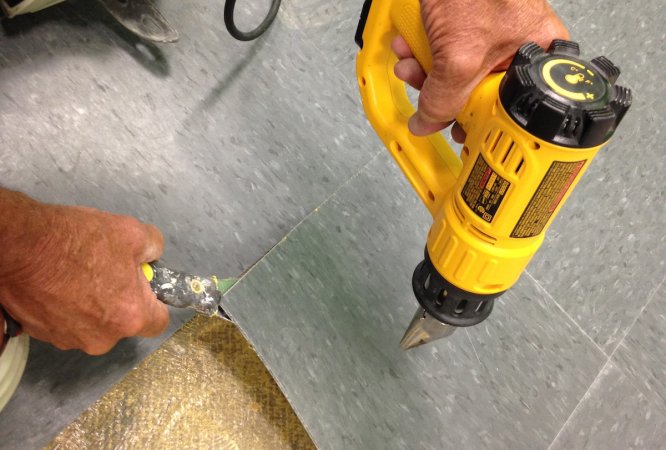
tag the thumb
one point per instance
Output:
(445, 91)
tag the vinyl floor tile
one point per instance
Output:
(614, 415)
(642, 354)
(326, 310)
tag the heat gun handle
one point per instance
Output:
(429, 163)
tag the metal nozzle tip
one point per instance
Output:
(423, 329)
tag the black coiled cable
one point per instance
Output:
(253, 34)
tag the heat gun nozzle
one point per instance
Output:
(424, 328)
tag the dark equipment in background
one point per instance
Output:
(142, 18)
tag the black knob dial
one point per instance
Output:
(562, 99)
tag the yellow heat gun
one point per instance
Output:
(532, 131)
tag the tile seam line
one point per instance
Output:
(608, 361)
(651, 297)
(316, 47)
(578, 405)
(540, 286)
(469, 338)
(306, 217)
(631, 377)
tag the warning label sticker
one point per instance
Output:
(549, 194)
(484, 190)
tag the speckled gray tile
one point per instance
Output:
(326, 310)
(606, 252)
(330, 26)
(224, 145)
(642, 353)
(614, 415)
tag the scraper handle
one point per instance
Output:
(182, 290)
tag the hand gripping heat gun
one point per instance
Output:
(532, 131)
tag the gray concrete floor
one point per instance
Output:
(228, 146)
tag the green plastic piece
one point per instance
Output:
(225, 284)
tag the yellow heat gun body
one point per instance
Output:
(531, 134)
